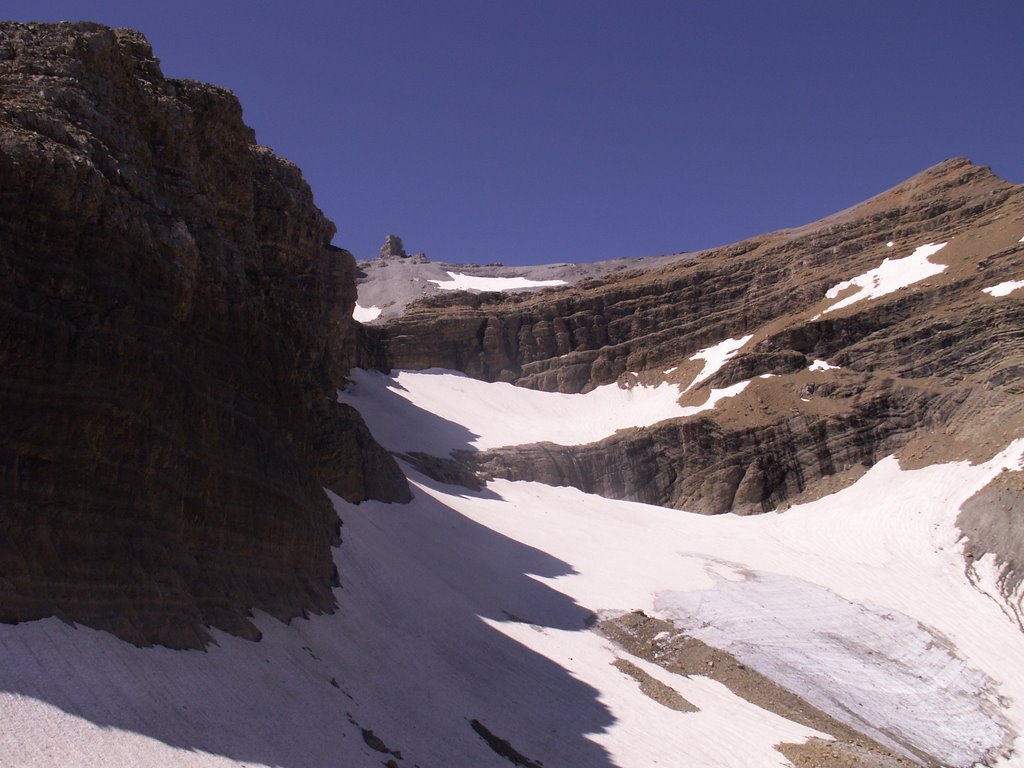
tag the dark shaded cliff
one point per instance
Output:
(934, 368)
(174, 323)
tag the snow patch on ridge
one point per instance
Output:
(888, 277)
(715, 357)
(1004, 289)
(461, 282)
(866, 608)
(437, 411)
(822, 365)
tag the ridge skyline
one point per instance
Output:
(534, 135)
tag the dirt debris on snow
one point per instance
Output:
(660, 642)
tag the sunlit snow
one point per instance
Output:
(365, 314)
(1004, 289)
(822, 365)
(889, 277)
(461, 282)
(475, 605)
(437, 411)
(858, 601)
(715, 357)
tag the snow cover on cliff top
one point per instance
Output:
(1004, 289)
(462, 282)
(715, 357)
(473, 606)
(888, 277)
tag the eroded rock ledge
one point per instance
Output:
(174, 323)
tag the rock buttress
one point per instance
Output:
(174, 323)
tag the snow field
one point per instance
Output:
(726, 732)
(822, 365)
(365, 314)
(855, 598)
(462, 606)
(889, 277)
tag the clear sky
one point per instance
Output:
(535, 131)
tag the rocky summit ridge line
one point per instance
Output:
(174, 323)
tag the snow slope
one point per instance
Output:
(466, 609)
(1004, 289)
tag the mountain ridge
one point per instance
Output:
(184, 423)
(174, 318)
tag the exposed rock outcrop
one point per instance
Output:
(174, 323)
(393, 248)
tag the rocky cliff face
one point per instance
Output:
(174, 323)
(933, 369)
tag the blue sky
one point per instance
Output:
(531, 131)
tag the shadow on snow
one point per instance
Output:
(407, 655)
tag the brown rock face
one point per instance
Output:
(933, 369)
(174, 322)
(393, 248)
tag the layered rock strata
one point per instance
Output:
(933, 368)
(174, 325)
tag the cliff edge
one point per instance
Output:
(175, 324)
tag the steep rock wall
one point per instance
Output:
(174, 322)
